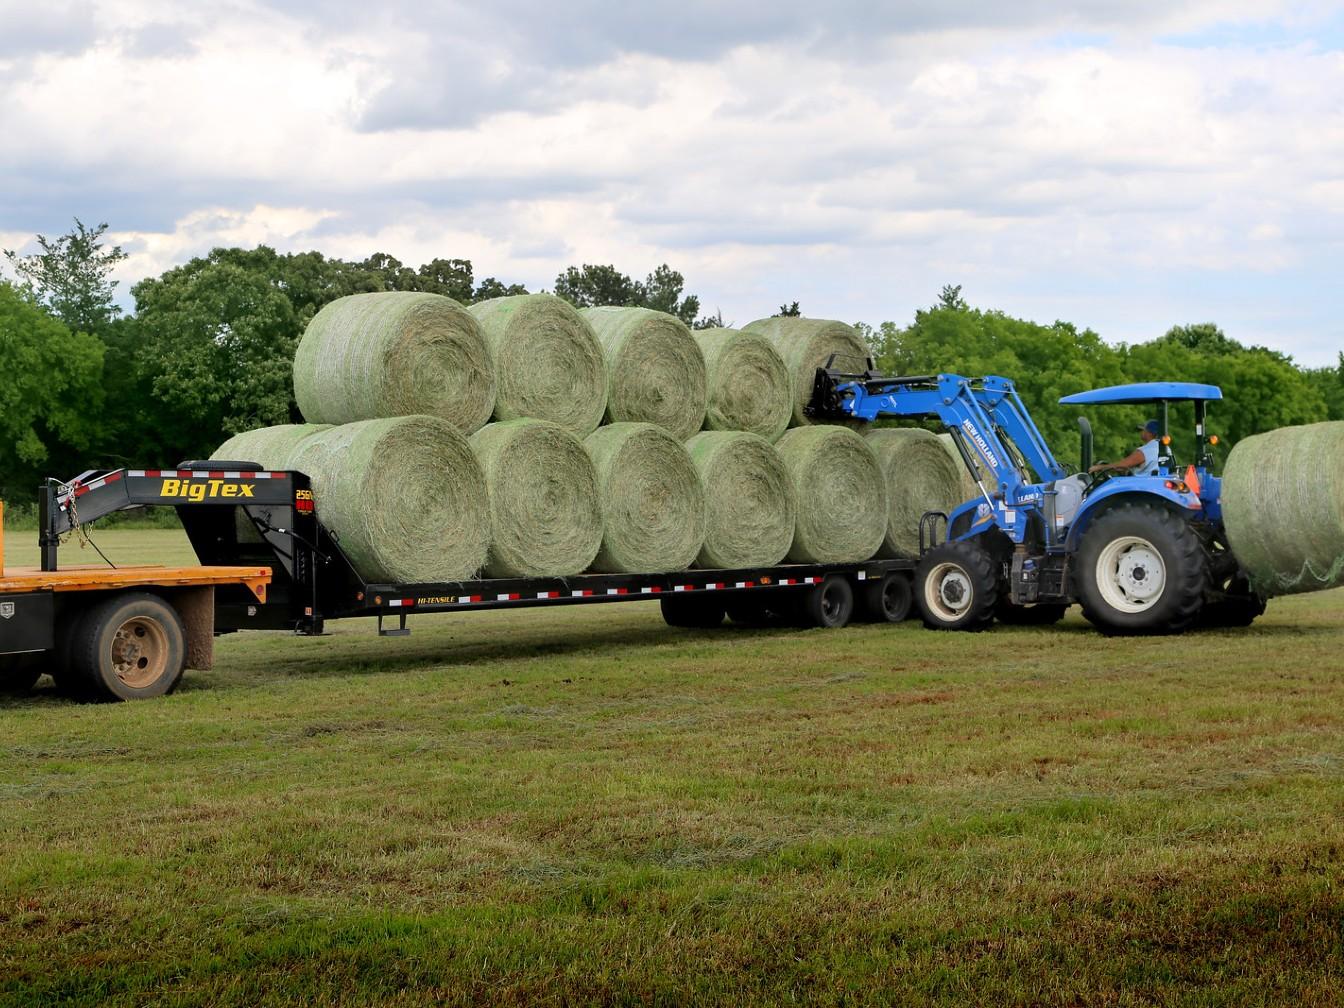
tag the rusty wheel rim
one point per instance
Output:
(139, 652)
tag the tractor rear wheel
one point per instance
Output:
(1141, 570)
(956, 587)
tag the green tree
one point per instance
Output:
(662, 291)
(789, 310)
(215, 343)
(950, 297)
(70, 276)
(1329, 385)
(492, 288)
(590, 286)
(51, 396)
(450, 277)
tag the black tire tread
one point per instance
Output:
(979, 566)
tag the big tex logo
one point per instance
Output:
(199, 490)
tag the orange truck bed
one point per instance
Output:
(93, 578)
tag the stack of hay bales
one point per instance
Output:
(1283, 507)
(620, 442)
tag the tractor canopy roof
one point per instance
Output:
(1144, 392)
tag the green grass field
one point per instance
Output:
(581, 805)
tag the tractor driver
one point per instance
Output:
(1142, 461)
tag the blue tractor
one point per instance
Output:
(1142, 554)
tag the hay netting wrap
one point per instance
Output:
(840, 493)
(394, 353)
(653, 509)
(545, 514)
(1283, 506)
(548, 364)
(749, 509)
(920, 477)
(268, 447)
(404, 495)
(655, 369)
(970, 489)
(805, 345)
(749, 387)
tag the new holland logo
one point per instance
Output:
(6, 610)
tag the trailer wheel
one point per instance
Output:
(1141, 570)
(955, 587)
(692, 612)
(829, 604)
(887, 600)
(128, 647)
(19, 673)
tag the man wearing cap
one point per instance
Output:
(1142, 461)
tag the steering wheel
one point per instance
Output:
(1097, 478)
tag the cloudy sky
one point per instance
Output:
(1123, 164)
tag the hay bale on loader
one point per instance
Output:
(547, 363)
(394, 353)
(653, 508)
(1283, 508)
(749, 507)
(749, 385)
(920, 477)
(840, 492)
(545, 515)
(655, 369)
(807, 344)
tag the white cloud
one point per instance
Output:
(856, 162)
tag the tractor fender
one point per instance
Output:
(1116, 492)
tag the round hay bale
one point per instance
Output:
(653, 509)
(545, 515)
(969, 487)
(548, 363)
(404, 495)
(920, 477)
(806, 344)
(268, 447)
(749, 388)
(1283, 506)
(840, 493)
(394, 353)
(749, 509)
(655, 370)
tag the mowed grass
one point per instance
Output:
(581, 805)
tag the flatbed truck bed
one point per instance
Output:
(269, 564)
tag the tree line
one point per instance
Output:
(207, 350)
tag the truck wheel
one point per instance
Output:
(1037, 614)
(829, 604)
(692, 612)
(1141, 570)
(128, 647)
(887, 600)
(955, 587)
(19, 673)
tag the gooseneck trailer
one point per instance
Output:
(268, 563)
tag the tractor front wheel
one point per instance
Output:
(956, 588)
(1141, 570)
